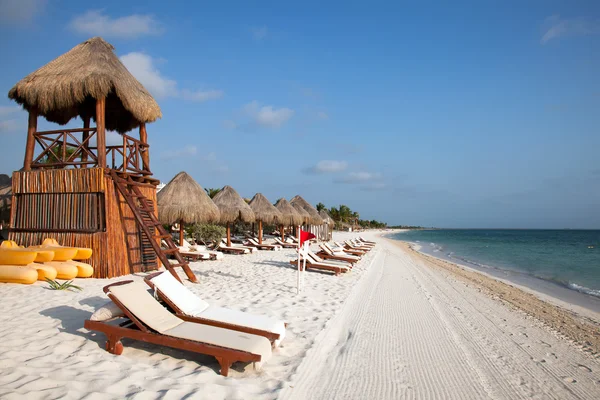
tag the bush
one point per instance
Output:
(206, 233)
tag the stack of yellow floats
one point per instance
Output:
(47, 261)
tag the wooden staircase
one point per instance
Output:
(143, 210)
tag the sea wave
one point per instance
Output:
(583, 289)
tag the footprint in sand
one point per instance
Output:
(569, 379)
(584, 367)
(545, 344)
(552, 355)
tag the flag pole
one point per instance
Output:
(298, 277)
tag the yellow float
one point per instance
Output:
(17, 256)
(44, 271)
(64, 270)
(18, 274)
(82, 253)
(42, 255)
(83, 270)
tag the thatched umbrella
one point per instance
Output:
(315, 218)
(289, 215)
(183, 201)
(264, 212)
(328, 222)
(69, 86)
(232, 208)
(306, 218)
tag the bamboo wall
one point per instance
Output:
(83, 208)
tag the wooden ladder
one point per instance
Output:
(144, 214)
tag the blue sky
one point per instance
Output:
(449, 114)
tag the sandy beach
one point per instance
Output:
(400, 325)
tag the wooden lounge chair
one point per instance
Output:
(285, 244)
(231, 249)
(263, 246)
(190, 307)
(148, 321)
(351, 246)
(366, 241)
(326, 253)
(312, 264)
(359, 243)
(346, 249)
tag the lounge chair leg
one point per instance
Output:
(225, 364)
(114, 345)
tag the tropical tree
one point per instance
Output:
(320, 207)
(55, 155)
(212, 192)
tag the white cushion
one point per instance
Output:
(141, 304)
(181, 296)
(108, 311)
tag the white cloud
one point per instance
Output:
(212, 156)
(268, 116)
(95, 22)
(201, 95)
(556, 27)
(322, 115)
(19, 11)
(327, 166)
(142, 66)
(260, 32)
(10, 125)
(186, 151)
(360, 177)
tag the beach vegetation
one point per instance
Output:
(205, 233)
(68, 285)
(212, 192)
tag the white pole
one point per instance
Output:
(304, 262)
(298, 277)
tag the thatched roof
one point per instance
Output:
(232, 206)
(315, 218)
(69, 85)
(326, 218)
(306, 218)
(184, 199)
(264, 210)
(5, 202)
(289, 214)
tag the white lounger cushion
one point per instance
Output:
(242, 318)
(181, 296)
(194, 306)
(137, 300)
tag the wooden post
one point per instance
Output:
(84, 137)
(228, 235)
(181, 232)
(282, 233)
(30, 146)
(145, 153)
(253, 228)
(259, 231)
(101, 131)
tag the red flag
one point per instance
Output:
(304, 236)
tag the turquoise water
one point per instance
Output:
(570, 258)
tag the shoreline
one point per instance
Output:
(554, 292)
(576, 323)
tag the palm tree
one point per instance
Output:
(212, 192)
(55, 155)
(320, 207)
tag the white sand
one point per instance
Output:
(391, 327)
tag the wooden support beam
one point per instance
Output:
(84, 137)
(228, 234)
(180, 232)
(30, 146)
(101, 131)
(259, 231)
(145, 151)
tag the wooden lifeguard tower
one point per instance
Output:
(76, 188)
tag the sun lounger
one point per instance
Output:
(340, 251)
(346, 249)
(238, 246)
(285, 244)
(351, 246)
(231, 249)
(327, 253)
(316, 258)
(191, 308)
(148, 321)
(359, 243)
(202, 250)
(264, 246)
(312, 264)
(366, 241)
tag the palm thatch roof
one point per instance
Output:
(326, 218)
(232, 206)
(315, 218)
(69, 86)
(264, 210)
(289, 215)
(184, 199)
(306, 218)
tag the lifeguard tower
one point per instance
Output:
(74, 186)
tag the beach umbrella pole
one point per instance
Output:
(259, 231)
(181, 232)
(282, 233)
(228, 235)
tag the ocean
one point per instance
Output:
(565, 258)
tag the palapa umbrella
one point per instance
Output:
(183, 201)
(264, 212)
(306, 218)
(328, 222)
(289, 215)
(232, 208)
(315, 218)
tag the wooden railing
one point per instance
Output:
(70, 148)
